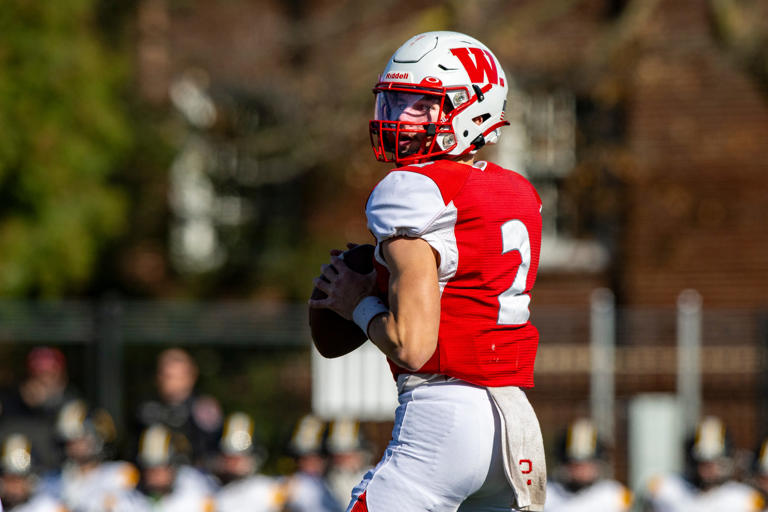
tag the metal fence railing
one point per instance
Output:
(104, 328)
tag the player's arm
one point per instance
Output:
(407, 333)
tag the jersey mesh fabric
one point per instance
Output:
(472, 343)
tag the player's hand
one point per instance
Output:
(345, 287)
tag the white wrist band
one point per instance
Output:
(366, 309)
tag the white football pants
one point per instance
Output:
(445, 454)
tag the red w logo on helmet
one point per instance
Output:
(483, 65)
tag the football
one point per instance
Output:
(332, 334)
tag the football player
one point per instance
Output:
(349, 457)
(34, 405)
(18, 481)
(166, 483)
(580, 484)
(708, 483)
(458, 243)
(760, 470)
(88, 482)
(243, 488)
(306, 490)
(192, 417)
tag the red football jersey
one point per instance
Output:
(485, 222)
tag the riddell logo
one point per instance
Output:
(396, 76)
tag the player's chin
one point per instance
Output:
(408, 148)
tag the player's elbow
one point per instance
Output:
(413, 363)
(408, 340)
(413, 356)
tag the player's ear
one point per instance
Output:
(478, 120)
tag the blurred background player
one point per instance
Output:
(18, 481)
(237, 465)
(167, 484)
(87, 481)
(350, 457)
(306, 490)
(195, 420)
(760, 470)
(33, 406)
(707, 484)
(580, 484)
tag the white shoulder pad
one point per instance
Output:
(410, 204)
(403, 204)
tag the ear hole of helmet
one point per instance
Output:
(482, 118)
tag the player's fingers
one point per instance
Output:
(336, 252)
(318, 303)
(322, 285)
(330, 272)
(350, 245)
(339, 264)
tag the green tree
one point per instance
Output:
(63, 131)
(742, 27)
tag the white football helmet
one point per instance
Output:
(156, 447)
(441, 94)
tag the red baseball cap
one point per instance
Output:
(45, 360)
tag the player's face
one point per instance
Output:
(15, 489)
(312, 464)
(414, 111)
(583, 473)
(159, 479)
(712, 472)
(762, 482)
(353, 461)
(175, 381)
(236, 466)
(80, 450)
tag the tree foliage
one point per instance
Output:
(64, 132)
(743, 29)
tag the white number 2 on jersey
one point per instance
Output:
(513, 303)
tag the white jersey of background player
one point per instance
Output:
(707, 486)
(578, 485)
(236, 466)
(190, 493)
(95, 489)
(39, 503)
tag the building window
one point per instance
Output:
(540, 143)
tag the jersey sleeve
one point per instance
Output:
(411, 204)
